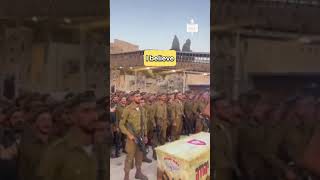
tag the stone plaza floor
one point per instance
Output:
(117, 166)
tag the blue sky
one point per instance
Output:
(152, 24)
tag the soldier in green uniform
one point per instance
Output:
(102, 142)
(225, 141)
(132, 114)
(151, 116)
(72, 157)
(161, 115)
(188, 113)
(301, 127)
(276, 130)
(170, 117)
(252, 139)
(145, 119)
(152, 135)
(33, 146)
(119, 137)
(197, 108)
(62, 122)
(178, 110)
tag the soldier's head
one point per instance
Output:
(305, 106)
(42, 121)
(262, 110)
(123, 101)
(190, 96)
(162, 97)
(62, 115)
(115, 99)
(16, 117)
(237, 110)
(151, 98)
(142, 102)
(179, 96)
(250, 99)
(101, 128)
(222, 108)
(136, 97)
(205, 97)
(83, 112)
(183, 96)
(279, 112)
(171, 96)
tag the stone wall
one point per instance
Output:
(15, 56)
(157, 84)
(119, 46)
(50, 66)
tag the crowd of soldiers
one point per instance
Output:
(264, 138)
(157, 118)
(45, 139)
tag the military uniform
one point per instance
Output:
(67, 159)
(298, 136)
(273, 155)
(161, 115)
(119, 138)
(188, 115)
(101, 151)
(30, 154)
(225, 149)
(119, 111)
(177, 119)
(197, 108)
(170, 111)
(252, 139)
(133, 114)
(151, 119)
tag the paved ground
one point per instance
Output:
(117, 165)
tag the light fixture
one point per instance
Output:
(35, 19)
(205, 74)
(120, 67)
(67, 20)
(131, 67)
(148, 68)
(304, 40)
(173, 70)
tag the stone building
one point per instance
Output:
(119, 46)
(128, 73)
(269, 46)
(52, 48)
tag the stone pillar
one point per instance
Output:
(135, 80)
(237, 69)
(83, 70)
(184, 81)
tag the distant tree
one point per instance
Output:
(186, 46)
(175, 44)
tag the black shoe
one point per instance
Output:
(147, 160)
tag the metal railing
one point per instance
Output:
(292, 2)
(187, 57)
